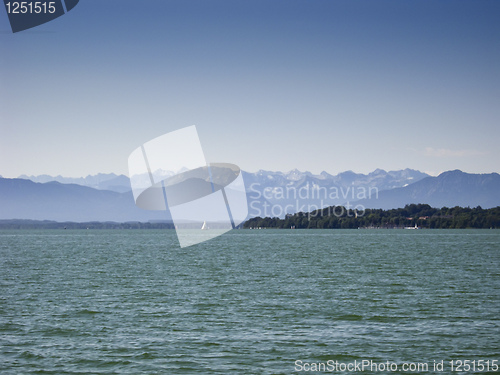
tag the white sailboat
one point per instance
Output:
(415, 227)
(204, 226)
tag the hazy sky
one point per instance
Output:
(271, 84)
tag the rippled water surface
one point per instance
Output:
(249, 302)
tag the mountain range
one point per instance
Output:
(107, 197)
(381, 179)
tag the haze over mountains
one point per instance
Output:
(381, 179)
(101, 181)
(25, 199)
(107, 197)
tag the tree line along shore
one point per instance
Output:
(48, 224)
(411, 216)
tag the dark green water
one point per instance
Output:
(250, 302)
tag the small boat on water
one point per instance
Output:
(415, 227)
(204, 226)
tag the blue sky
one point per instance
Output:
(276, 85)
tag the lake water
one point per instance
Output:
(249, 302)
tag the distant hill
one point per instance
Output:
(101, 181)
(452, 188)
(24, 199)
